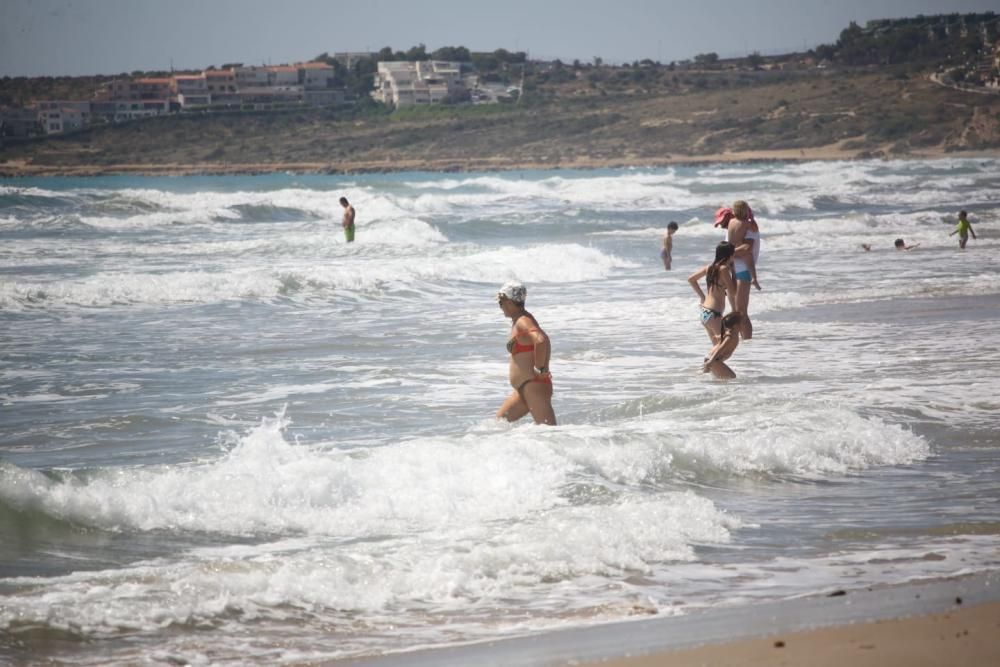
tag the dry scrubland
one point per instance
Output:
(620, 120)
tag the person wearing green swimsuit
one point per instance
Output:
(348, 221)
(963, 229)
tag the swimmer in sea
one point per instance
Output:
(529, 350)
(900, 244)
(719, 285)
(730, 338)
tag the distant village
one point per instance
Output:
(265, 88)
(964, 49)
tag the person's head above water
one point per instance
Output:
(742, 210)
(900, 243)
(723, 216)
(672, 226)
(732, 320)
(723, 252)
(513, 290)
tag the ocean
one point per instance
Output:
(226, 435)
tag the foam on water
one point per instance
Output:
(391, 511)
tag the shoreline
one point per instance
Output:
(24, 169)
(819, 627)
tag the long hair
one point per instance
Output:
(731, 321)
(723, 252)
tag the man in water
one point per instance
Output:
(348, 221)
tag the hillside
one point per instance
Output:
(607, 117)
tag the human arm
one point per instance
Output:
(528, 328)
(693, 281)
(723, 349)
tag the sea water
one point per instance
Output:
(226, 435)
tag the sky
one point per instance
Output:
(86, 37)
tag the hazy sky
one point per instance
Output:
(74, 37)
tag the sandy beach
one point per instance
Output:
(962, 636)
(952, 621)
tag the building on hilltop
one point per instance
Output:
(402, 84)
(190, 91)
(58, 116)
(221, 85)
(20, 122)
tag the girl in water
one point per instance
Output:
(728, 340)
(529, 361)
(719, 286)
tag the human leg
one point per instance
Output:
(538, 397)
(513, 408)
(721, 371)
(743, 306)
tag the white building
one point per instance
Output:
(190, 90)
(423, 82)
(58, 116)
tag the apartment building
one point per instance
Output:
(190, 91)
(221, 85)
(315, 76)
(423, 82)
(20, 122)
(58, 116)
(282, 75)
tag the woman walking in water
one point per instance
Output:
(719, 286)
(529, 361)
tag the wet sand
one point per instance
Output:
(942, 622)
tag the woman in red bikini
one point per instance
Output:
(529, 361)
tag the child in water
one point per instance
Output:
(668, 245)
(715, 361)
(963, 229)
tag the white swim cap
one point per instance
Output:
(514, 291)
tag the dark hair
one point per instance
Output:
(899, 242)
(343, 200)
(723, 252)
(733, 319)
(672, 225)
(962, 214)
(730, 322)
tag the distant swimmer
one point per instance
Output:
(348, 221)
(730, 338)
(901, 245)
(963, 229)
(719, 285)
(742, 231)
(867, 247)
(529, 350)
(666, 254)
